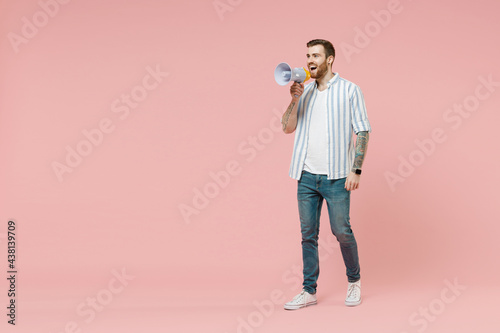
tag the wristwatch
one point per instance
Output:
(356, 171)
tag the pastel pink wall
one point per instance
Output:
(215, 111)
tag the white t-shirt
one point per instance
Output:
(317, 147)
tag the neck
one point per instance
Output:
(322, 81)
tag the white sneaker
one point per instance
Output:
(301, 300)
(353, 297)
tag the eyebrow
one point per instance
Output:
(313, 54)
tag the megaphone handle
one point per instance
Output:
(300, 84)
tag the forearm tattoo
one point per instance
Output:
(286, 116)
(361, 146)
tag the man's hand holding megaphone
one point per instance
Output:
(296, 90)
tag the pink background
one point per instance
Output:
(121, 207)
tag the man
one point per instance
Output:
(326, 164)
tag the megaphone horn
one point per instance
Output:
(284, 74)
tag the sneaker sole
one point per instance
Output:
(296, 307)
(353, 303)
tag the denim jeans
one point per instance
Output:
(311, 191)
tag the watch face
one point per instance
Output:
(358, 171)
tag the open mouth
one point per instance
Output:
(312, 68)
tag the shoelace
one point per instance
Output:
(353, 291)
(297, 297)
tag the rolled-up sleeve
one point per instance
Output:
(359, 117)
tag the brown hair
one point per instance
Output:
(329, 49)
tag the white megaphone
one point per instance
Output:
(284, 74)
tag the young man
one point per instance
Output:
(326, 164)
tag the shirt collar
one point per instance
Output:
(332, 80)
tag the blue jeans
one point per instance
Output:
(311, 191)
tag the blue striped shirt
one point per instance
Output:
(346, 114)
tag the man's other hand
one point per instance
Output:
(352, 181)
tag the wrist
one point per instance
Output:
(356, 171)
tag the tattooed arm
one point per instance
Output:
(352, 181)
(289, 119)
(361, 145)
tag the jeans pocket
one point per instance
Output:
(335, 190)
